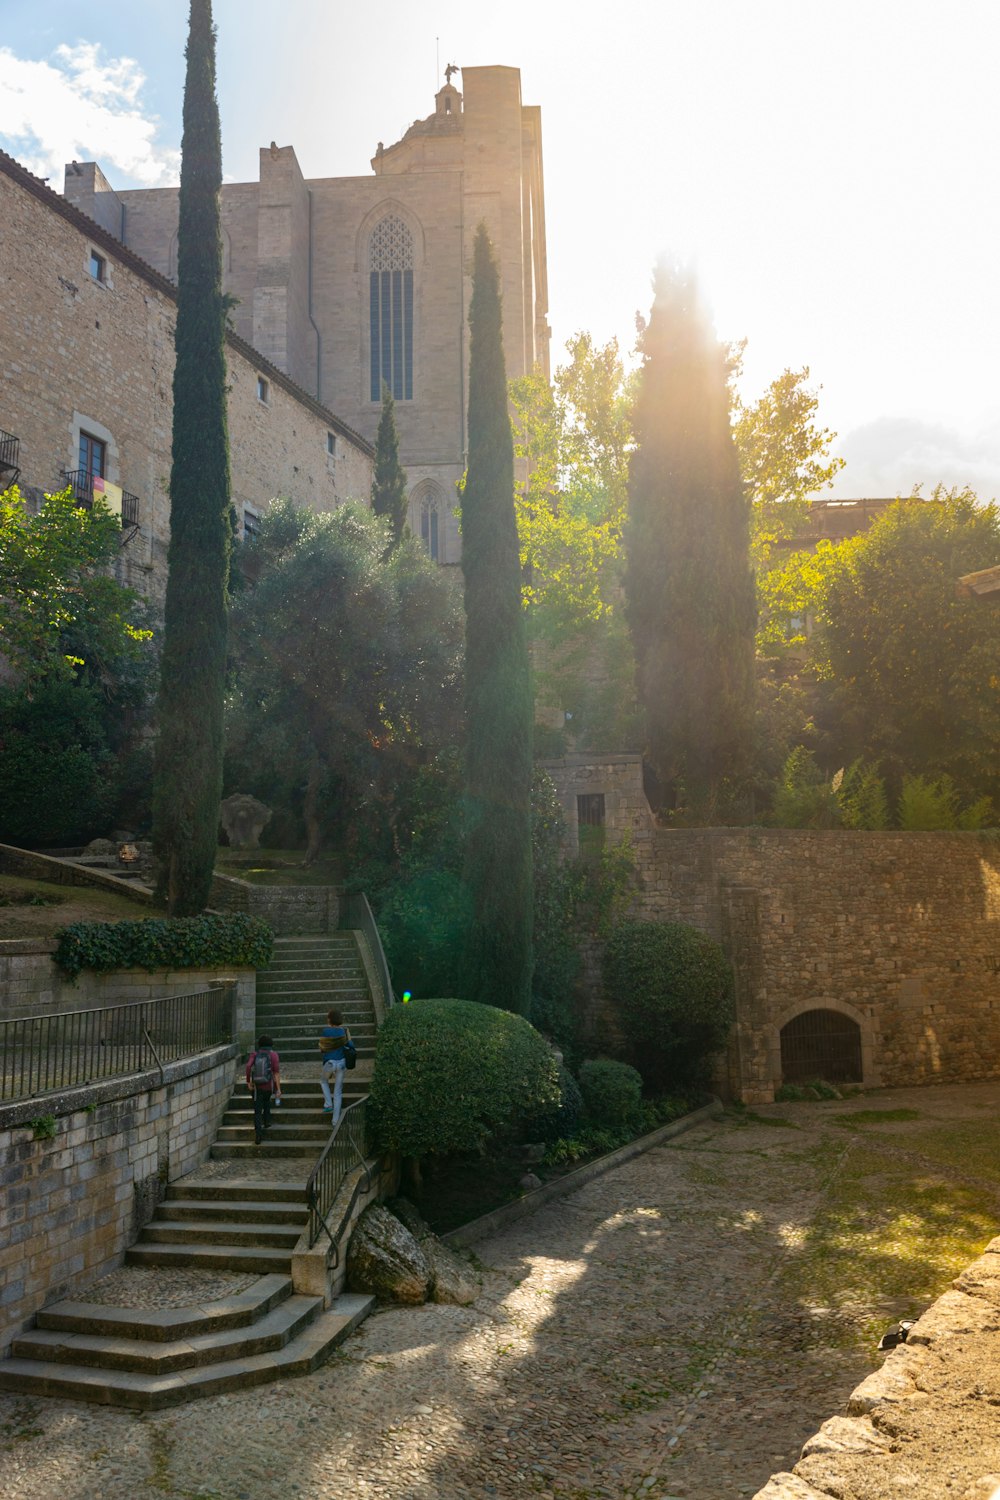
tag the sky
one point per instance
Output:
(828, 169)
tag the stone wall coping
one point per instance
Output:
(509, 1213)
(571, 762)
(27, 947)
(64, 872)
(68, 1102)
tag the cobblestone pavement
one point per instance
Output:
(645, 1336)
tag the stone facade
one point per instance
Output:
(299, 255)
(94, 354)
(74, 1203)
(897, 932)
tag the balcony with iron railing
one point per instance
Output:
(10, 470)
(81, 482)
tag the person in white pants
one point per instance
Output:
(331, 1045)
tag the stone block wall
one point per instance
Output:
(97, 355)
(898, 931)
(31, 984)
(287, 909)
(74, 1202)
(618, 778)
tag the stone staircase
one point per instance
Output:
(151, 1358)
(307, 976)
(147, 1359)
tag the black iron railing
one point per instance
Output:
(356, 915)
(81, 482)
(346, 1149)
(10, 450)
(45, 1054)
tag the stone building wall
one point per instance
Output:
(75, 1202)
(900, 932)
(78, 353)
(296, 254)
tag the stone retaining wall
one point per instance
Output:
(74, 1202)
(928, 1405)
(289, 910)
(31, 984)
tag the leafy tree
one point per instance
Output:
(689, 585)
(784, 455)
(74, 640)
(575, 437)
(60, 608)
(912, 668)
(347, 669)
(188, 774)
(389, 481)
(498, 691)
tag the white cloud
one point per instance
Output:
(81, 106)
(893, 455)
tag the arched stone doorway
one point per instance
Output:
(821, 1044)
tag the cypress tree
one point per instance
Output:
(188, 771)
(689, 585)
(389, 481)
(498, 690)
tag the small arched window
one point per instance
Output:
(429, 527)
(391, 308)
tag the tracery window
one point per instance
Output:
(429, 534)
(391, 310)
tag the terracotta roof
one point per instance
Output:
(39, 189)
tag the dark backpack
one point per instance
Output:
(261, 1070)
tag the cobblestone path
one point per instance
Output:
(653, 1335)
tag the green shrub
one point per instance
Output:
(423, 919)
(612, 1093)
(862, 797)
(804, 798)
(673, 988)
(559, 1119)
(206, 942)
(450, 1073)
(927, 804)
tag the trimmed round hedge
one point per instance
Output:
(450, 1073)
(673, 988)
(612, 1092)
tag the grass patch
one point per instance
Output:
(751, 1118)
(40, 908)
(874, 1117)
(278, 867)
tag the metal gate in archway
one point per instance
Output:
(821, 1044)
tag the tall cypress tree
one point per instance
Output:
(389, 480)
(188, 773)
(689, 584)
(498, 689)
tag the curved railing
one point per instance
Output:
(356, 915)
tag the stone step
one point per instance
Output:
(226, 1189)
(144, 1392)
(167, 1324)
(260, 1258)
(277, 1135)
(221, 1232)
(231, 1210)
(267, 1151)
(157, 1357)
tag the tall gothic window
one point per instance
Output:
(429, 528)
(391, 294)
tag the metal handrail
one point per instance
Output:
(345, 1150)
(50, 1053)
(356, 914)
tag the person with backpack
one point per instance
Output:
(264, 1083)
(334, 1040)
